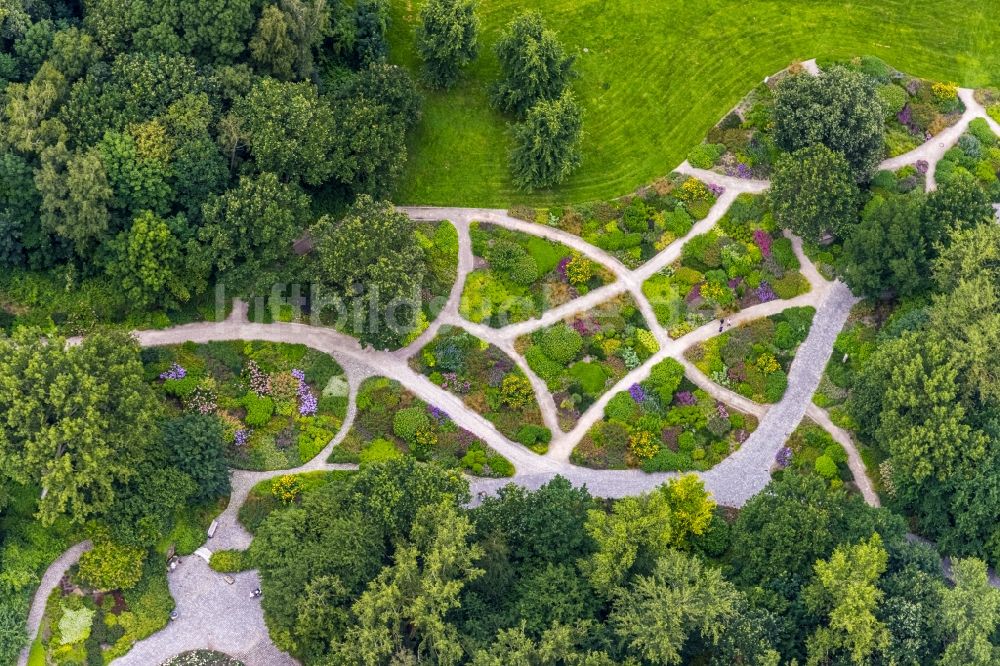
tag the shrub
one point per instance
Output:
(643, 445)
(704, 156)
(525, 270)
(836, 453)
(110, 566)
(621, 407)
(893, 99)
(286, 488)
(74, 625)
(500, 466)
(665, 377)
(542, 365)
(775, 385)
(530, 434)
(790, 285)
(260, 409)
(503, 254)
(407, 422)
(230, 561)
(516, 391)
(380, 450)
(826, 467)
(561, 343)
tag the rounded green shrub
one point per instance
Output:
(524, 271)
(703, 156)
(229, 561)
(561, 343)
(260, 409)
(621, 407)
(826, 467)
(407, 422)
(380, 450)
(775, 385)
(503, 254)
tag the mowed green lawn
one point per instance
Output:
(659, 73)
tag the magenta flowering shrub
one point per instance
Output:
(451, 382)
(763, 240)
(716, 190)
(685, 399)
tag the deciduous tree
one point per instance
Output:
(547, 144)
(447, 39)
(533, 64)
(813, 193)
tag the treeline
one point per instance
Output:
(162, 144)
(387, 567)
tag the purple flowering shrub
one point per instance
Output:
(663, 423)
(269, 397)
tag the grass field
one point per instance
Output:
(659, 73)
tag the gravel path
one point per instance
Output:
(50, 579)
(220, 616)
(932, 151)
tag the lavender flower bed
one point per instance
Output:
(279, 404)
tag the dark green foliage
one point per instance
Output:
(813, 193)
(534, 66)
(546, 145)
(838, 109)
(447, 39)
(371, 260)
(371, 21)
(194, 444)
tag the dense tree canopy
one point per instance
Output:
(371, 260)
(534, 66)
(447, 39)
(72, 418)
(838, 109)
(547, 144)
(813, 193)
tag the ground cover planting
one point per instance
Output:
(754, 358)
(810, 450)
(90, 619)
(392, 422)
(488, 381)
(519, 276)
(664, 423)
(743, 262)
(634, 228)
(582, 356)
(277, 405)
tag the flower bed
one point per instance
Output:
(741, 145)
(977, 153)
(489, 383)
(581, 357)
(83, 625)
(634, 228)
(391, 422)
(203, 658)
(519, 276)
(745, 261)
(753, 359)
(279, 404)
(662, 424)
(811, 450)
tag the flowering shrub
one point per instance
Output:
(637, 392)
(286, 488)
(242, 436)
(767, 363)
(259, 381)
(685, 399)
(579, 270)
(516, 391)
(203, 399)
(643, 445)
(945, 91)
(176, 371)
(765, 293)
(307, 401)
(763, 240)
(783, 457)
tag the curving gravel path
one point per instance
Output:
(220, 616)
(50, 579)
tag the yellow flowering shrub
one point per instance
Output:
(642, 444)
